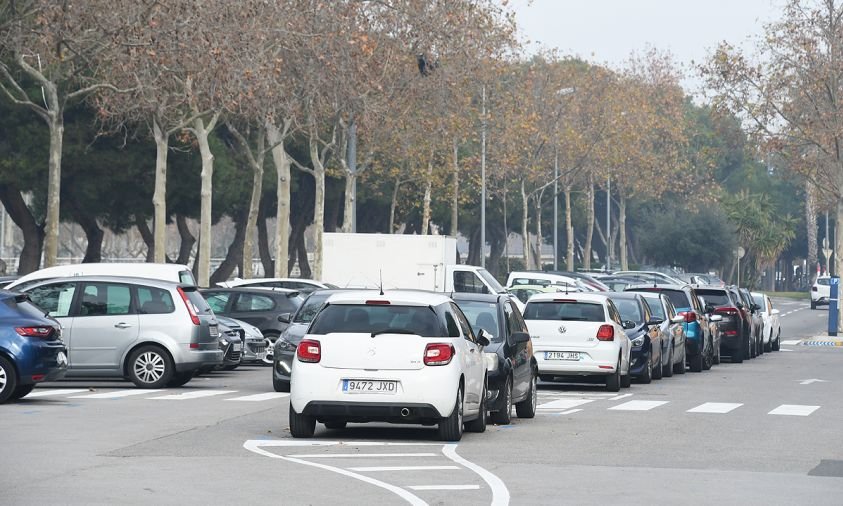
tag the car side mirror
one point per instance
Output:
(482, 340)
(739, 305)
(716, 318)
(284, 317)
(755, 307)
(520, 337)
(655, 322)
(628, 324)
(677, 319)
(709, 308)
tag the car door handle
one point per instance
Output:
(122, 325)
(471, 350)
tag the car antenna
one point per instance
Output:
(380, 273)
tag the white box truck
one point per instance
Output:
(424, 262)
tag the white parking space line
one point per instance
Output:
(569, 412)
(791, 342)
(564, 404)
(619, 397)
(360, 455)
(638, 405)
(376, 469)
(444, 487)
(715, 407)
(793, 410)
(260, 397)
(192, 395)
(576, 394)
(116, 394)
(56, 391)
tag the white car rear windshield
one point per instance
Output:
(378, 319)
(824, 281)
(565, 311)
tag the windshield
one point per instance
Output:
(361, 318)
(715, 297)
(524, 294)
(490, 280)
(824, 281)
(655, 305)
(482, 315)
(629, 309)
(759, 299)
(566, 311)
(310, 308)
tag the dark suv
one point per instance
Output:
(734, 330)
(257, 306)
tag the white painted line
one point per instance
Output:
(785, 349)
(791, 342)
(619, 397)
(715, 407)
(444, 487)
(570, 412)
(401, 468)
(793, 410)
(638, 405)
(254, 445)
(577, 394)
(116, 394)
(360, 455)
(198, 394)
(260, 397)
(564, 404)
(55, 391)
(500, 494)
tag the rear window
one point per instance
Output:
(759, 299)
(656, 308)
(565, 311)
(715, 297)
(186, 278)
(629, 309)
(482, 315)
(154, 301)
(13, 307)
(678, 298)
(360, 318)
(824, 281)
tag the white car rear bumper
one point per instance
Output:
(601, 359)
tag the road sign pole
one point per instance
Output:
(832, 305)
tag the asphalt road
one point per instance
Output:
(754, 433)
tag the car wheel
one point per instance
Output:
(479, 423)
(450, 428)
(667, 370)
(301, 426)
(777, 343)
(270, 348)
(180, 379)
(813, 305)
(753, 349)
(679, 367)
(658, 370)
(696, 362)
(708, 358)
(504, 416)
(8, 380)
(280, 385)
(22, 391)
(335, 425)
(150, 367)
(647, 377)
(527, 407)
(613, 381)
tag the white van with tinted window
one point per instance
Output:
(175, 273)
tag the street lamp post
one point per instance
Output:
(556, 210)
(608, 224)
(483, 180)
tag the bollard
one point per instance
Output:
(834, 287)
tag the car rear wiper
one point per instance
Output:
(392, 331)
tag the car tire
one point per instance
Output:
(613, 381)
(696, 362)
(679, 367)
(813, 305)
(450, 427)
(301, 426)
(150, 367)
(280, 385)
(8, 379)
(708, 359)
(647, 377)
(777, 343)
(658, 371)
(479, 424)
(753, 349)
(527, 408)
(667, 370)
(335, 425)
(269, 358)
(180, 379)
(737, 355)
(21, 391)
(769, 346)
(504, 416)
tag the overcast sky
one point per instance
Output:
(606, 31)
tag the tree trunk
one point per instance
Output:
(428, 189)
(838, 249)
(318, 207)
(206, 195)
(811, 228)
(159, 196)
(393, 204)
(301, 252)
(589, 228)
(187, 240)
(348, 202)
(51, 237)
(495, 252)
(539, 237)
(235, 252)
(455, 204)
(282, 212)
(263, 244)
(569, 230)
(505, 232)
(33, 233)
(525, 217)
(254, 204)
(622, 230)
(93, 232)
(148, 238)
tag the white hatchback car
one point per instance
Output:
(772, 330)
(399, 357)
(821, 292)
(578, 334)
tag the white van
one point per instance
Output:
(176, 273)
(545, 278)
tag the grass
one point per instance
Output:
(790, 295)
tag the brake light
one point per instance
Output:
(377, 302)
(564, 300)
(309, 350)
(40, 332)
(606, 333)
(731, 332)
(690, 316)
(727, 310)
(193, 316)
(438, 354)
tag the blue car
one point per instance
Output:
(31, 349)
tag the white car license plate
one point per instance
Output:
(353, 386)
(561, 355)
(238, 346)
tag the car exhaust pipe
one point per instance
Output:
(405, 412)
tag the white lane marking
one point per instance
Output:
(500, 494)
(791, 342)
(784, 349)
(564, 404)
(793, 410)
(444, 487)
(359, 455)
(715, 407)
(192, 395)
(576, 394)
(376, 469)
(55, 391)
(254, 445)
(638, 405)
(809, 381)
(116, 394)
(260, 397)
(619, 397)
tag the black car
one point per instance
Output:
(750, 308)
(734, 330)
(257, 306)
(512, 371)
(646, 360)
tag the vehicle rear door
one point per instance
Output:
(255, 308)
(474, 364)
(56, 299)
(105, 325)
(520, 352)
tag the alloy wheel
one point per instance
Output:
(270, 352)
(3, 379)
(149, 367)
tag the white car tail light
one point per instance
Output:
(309, 350)
(438, 354)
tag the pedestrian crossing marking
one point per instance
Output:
(563, 404)
(55, 391)
(716, 407)
(116, 394)
(260, 397)
(793, 410)
(197, 394)
(638, 405)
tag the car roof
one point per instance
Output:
(658, 286)
(623, 295)
(578, 296)
(158, 283)
(263, 280)
(478, 297)
(250, 289)
(398, 297)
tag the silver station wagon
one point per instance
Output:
(154, 333)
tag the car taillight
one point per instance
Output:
(193, 316)
(727, 310)
(606, 333)
(40, 332)
(438, 354)
(309, 350)
(690, 316)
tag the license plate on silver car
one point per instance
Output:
(561, 355)
(354, 386)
